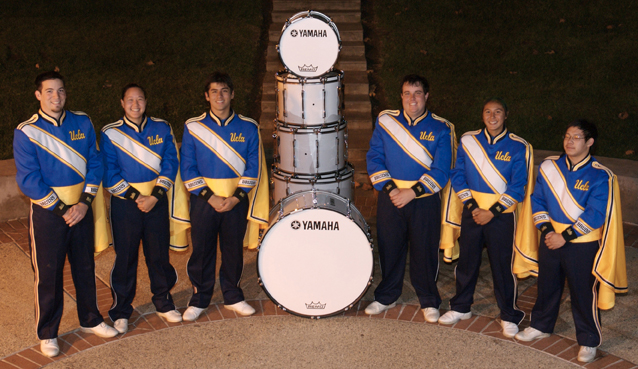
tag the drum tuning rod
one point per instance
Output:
(303, 103)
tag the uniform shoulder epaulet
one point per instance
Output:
(77, 112)
(394, 113)
(443, 120)
(112, 125)
(31, 120)
(552, 158)
(597, 165)
(159, 120)
(196, 119)
(242, 117)
(471, 133)
(518, 139)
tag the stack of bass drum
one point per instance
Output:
(315, 259)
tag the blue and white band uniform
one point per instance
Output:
(57, 160)
(491, 170)
(58, 165)
(406, 152)
(213, 150)
(414, 154)
(143, 157)
(491, 173)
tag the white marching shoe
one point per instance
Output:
(509, 329)
(121, 325)
(452, 317)
(50, 347)
(431, 314)
(586, 354)
(530, 334)
(101, 330)
(192, 313)
(376, 308)
(172, 316)
(241, 308)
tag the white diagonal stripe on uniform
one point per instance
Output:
(484, 165)
(220, 147)
(70, 157)
(406, 140)
(135, 149)
(557, 182)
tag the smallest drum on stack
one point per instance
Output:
(311, 136)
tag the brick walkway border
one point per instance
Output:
(16, 232)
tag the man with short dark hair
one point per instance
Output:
(60, 169)
(222, 168)
(409, 163)
(576, 206)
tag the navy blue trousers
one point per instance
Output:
(418, 224)
(206, 226)
(130, 226)
(574, 262)
(51, 242)
(498, 235)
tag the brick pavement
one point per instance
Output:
(16, 232)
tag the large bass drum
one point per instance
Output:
(309, 44)
(315, 260)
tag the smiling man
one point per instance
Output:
(60, 169)
(222, 168)
(409, 162)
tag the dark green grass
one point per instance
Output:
(552, 62)
(100, 46)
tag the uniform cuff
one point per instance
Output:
(158, 192)
(418, 189)
(206, 193)
(131, 194)
(87, 199)
(471, 204)
(60, 208)
(569, 234)
(388, 187)
(240, 194)
(497, 209)
(545, 228)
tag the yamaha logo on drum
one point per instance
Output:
(295, 224)
(317, 225)
(293, 33)
(309, 33)
(315, 305)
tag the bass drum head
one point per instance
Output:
(309, 44)
(315, 263)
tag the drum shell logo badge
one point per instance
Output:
(315, 225)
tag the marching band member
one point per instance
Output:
(493, 169)
(223, 167)
(140, 171)
(60, 169)
(576, 207)
(409, 162)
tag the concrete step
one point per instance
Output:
(347, 31)
(322, 5)
(337, 16)
(348, 49)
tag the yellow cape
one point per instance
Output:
(258, 205)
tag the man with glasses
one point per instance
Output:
(576, 207)
(409, 163)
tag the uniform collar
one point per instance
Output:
(493, 140)
(50, 119)
(574, 167)
(134, 126)
(417, 120)
(221, 122)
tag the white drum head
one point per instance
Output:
(309, 46)
(315, 262)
